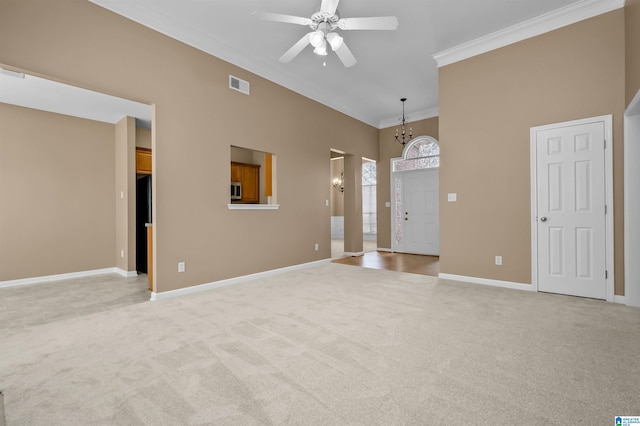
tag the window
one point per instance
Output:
(369, 217)
(252, 177)
(422, 153)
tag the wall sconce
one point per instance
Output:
(338, 183)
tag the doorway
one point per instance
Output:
(572, 203)
(337, 203)
(415, 220)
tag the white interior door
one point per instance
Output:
(570, 200)
(421, 212)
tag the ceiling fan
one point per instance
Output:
(323, 24)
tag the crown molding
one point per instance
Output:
(559, 18)
(415, 116)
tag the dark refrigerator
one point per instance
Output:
(143, 216)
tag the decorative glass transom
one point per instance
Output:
(422, 153)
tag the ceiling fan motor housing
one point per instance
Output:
(319, 18)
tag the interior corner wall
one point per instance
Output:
(353, 233)
(632, 48)
(488, 104)
(389, 149)
(56, 194)
(125, 194)
(196, 120)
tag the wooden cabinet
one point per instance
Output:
(249, 177)
(143, 161)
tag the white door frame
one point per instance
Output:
(608, 165)
(632, 202)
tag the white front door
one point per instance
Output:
(570, 216)
(420, 212)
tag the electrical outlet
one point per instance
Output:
(499, 260)
(181, 266)
(452, 197)
(121, 253)
(317, 246)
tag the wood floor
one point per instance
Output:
(401, 262)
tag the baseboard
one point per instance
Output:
(127, 274)
(57, 277)
(232, 281)
(619, 299)
(387, 250)
(486, 281)
(354, 254)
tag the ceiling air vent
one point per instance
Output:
(240, 85)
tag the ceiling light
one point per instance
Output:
(402, 136)
(316, 38)
(334, 40)
(322, 49)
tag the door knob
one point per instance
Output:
(543, 219)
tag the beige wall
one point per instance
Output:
(56, 194)
(487, 106)
(125, 194)
(632, 47)
(389, 149)
(196, 118)
(143, 138)
(241, 155)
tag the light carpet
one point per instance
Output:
(330, 345)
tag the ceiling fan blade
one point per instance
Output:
(329, 6)
(277, 17)
(374, 23)
(296, 48)
(345, 55)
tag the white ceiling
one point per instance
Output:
(391, 64)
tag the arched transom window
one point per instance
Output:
(422, 152)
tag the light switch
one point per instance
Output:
(452, 196)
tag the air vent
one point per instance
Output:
(240, 85)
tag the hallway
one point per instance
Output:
(401, 262)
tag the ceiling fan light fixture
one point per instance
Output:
(335, 40)
(316, 38)
(322, 49)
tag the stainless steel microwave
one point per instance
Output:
(236, 191)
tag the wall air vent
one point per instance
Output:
(240, 85)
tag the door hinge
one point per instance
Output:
(605, 209)
(606, 274)
(605, 144)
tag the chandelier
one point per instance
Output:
(338, 183)
(402, 136)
